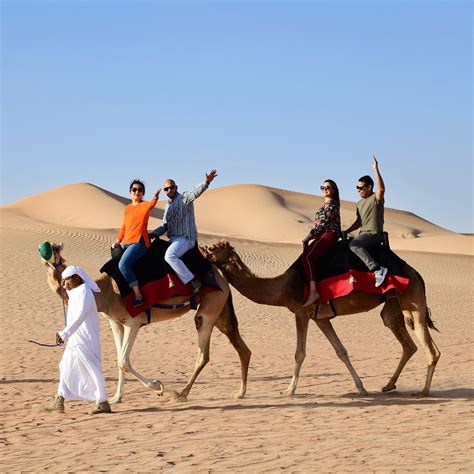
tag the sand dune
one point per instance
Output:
(76, 205)
(324, 428)
(250, 212)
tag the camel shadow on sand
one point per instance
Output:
(297, 402)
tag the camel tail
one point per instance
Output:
(429, 321)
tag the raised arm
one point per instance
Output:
(157, 194)
(380, 193)
(192, 194)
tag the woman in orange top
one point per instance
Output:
(133, 235)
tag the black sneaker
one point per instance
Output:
(197, 287)
(138, 303)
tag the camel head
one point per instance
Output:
(56, 261)
(221, 254)
(50, 255)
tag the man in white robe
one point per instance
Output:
(80, 368)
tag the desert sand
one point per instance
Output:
(325, 427)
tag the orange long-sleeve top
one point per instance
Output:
(135, 223)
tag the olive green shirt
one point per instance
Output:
(370, 212)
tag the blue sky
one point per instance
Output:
(279, 93)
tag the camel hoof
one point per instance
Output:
(115, 400)
(421, 394)
(363, 393)
(157, 386)
(173, 395)
(239, 396)
(182, 398)
(389, 387)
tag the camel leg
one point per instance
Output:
(300, 354)
(204, 328)
(228, 325)
(130, 333)
(327, 329)
(431, 350)
(117, 330)
(392, 317)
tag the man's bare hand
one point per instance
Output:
(59, 340)
(210, 177)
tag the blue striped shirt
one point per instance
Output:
(178, 219)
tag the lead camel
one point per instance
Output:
(215, 309)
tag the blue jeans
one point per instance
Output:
(132, 253)
(179, 246)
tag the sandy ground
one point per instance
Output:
(325, 427)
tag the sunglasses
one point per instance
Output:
(168, 188)
(325, 188)
(136, 190)
(360, 188)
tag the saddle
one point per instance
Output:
(157, 280)
(341, 271)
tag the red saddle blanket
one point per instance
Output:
(157, 280)
(340, 272)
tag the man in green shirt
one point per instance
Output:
(370, 211)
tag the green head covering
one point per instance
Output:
(46, 251)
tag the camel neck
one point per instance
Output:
(260, 290)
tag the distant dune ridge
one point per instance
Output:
(246, 211)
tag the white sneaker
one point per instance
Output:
(380, 275)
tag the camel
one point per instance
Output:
(215, 309)
(287, 290)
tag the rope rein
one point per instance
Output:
(55, 269)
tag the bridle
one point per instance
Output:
(55, 267)
(209, 254)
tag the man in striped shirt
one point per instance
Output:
(180, 225)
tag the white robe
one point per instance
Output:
(80, 368)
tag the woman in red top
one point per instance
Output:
(324, 235)
(133, 235)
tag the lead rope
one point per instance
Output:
(64, 313)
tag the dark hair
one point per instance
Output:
(336, 191)
(367, 180)
(137, 181)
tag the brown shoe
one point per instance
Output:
(102, 407)
(55, 403)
